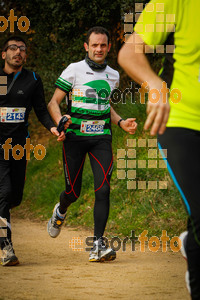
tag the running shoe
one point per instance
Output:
(55, 223)
(9, 258)
(100, 252)
(183, 239)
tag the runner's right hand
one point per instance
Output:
(65, 125)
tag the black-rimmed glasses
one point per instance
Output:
(14, 47)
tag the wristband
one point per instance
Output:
(118, 123)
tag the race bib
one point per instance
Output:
(91, 127)
(12, 114)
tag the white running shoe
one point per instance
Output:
(55, 223)
(94, 253)
(183, 238)
(100, 252)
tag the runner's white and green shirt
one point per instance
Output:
(88, 98)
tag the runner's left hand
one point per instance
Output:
(61, 136)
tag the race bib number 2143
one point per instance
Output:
(12, 114)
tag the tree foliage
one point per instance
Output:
(58, 29)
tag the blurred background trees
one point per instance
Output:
(58, 28)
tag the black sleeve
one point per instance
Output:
(39, 105)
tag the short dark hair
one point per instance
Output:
(97, 30)
(13, 38)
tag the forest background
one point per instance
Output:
(55, 39)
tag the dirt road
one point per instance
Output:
(50, 269)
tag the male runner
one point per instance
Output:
(90, 83)
(24, 90)
(160, 22)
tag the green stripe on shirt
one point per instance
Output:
(65, 81)
(78, 121)
(63, 85)
(90, 100)
(80, 110)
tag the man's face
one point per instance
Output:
(98, 47)
(14, 58)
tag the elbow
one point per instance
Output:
(120, 57)
(124, 55)
(49, 105)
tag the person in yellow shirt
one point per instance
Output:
(173, 23)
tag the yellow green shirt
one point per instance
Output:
(159, 19)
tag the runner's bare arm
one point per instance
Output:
(54, 105)
(128, 125)
(54, 110)
(138, 68)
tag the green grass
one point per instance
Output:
(153, 210)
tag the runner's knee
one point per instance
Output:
(103, 192)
